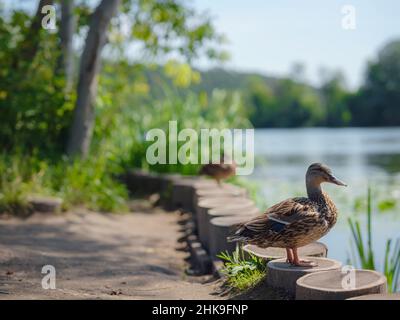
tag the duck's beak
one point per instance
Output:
(335, 180)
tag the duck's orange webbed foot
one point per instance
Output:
(289, 256)
(301, 263)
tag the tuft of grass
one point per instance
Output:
(242, 274)
(13, 197)
(16, 183)
(363, 254)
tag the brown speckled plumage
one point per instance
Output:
(294, 222)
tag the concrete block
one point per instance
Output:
(335, 285)
(217, 191)
(244, 208)
(183, 190)
(167, 181)
(45, 204)
(220, 229)
(282, 275)
(141, 182)
(200, 259)
(182, 194)
(315, 249)
(219, 202)
(378, 296)
(217, 266)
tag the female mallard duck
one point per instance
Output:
(219, 171)
(294, 222)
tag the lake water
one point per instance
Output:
(357, 156)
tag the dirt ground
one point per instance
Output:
(98, 256)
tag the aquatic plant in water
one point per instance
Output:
(365, 253)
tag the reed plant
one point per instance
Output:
(363, 254)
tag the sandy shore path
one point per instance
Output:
(97, 256)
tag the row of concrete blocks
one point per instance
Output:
(217, 209)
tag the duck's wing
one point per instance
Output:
(291, 210)
(276, 219)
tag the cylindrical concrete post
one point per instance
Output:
(207, 204)
(231, 209)
(220, 229)
(217, 191)
(283, 276)
(167, 181)
(45, 204)
(339, 284)
(182, 191)
(378, 296)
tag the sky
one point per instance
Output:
(270, 36)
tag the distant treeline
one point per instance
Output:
(288, 102)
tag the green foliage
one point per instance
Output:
(35, 113)
(376, 103)
(365, 253)
(83, 182)
(392, 265)
(166, 26)
(126, 114)
(14, 187)
(87, 182)
(387, 204)
(335, 101)
(242, 273)
(290, 103)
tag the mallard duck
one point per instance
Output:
(294, 222)
(219, 171)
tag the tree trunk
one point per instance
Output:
(67, 29)
(83, 120)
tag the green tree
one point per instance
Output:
(261, 99)
(161, 27)
(288, 104)
(37, 112)
(335, 100)
(377, 103)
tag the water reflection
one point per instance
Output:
(356, 151)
